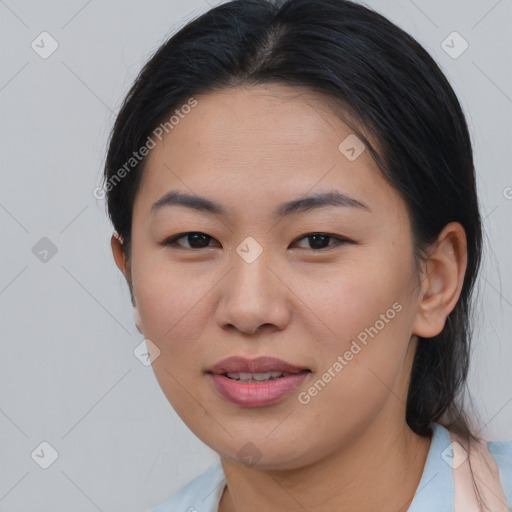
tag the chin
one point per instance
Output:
(266, 456)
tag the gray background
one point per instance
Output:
(68, 375)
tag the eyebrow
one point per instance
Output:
(310, 202)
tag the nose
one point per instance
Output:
(254, 298)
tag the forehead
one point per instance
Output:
(261, 141)
(284, 122)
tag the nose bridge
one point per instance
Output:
(251, 277)
(252, 294)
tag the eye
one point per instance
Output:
(196, 240)
(319, 241)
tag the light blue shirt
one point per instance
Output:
(435, 492)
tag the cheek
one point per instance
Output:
(172, 305)
(369, 323)
(357, 297)
(173, 318)
(357, 378)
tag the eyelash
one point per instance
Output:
(339, 240)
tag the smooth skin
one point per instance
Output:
(250, 149)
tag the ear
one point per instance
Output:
(116, 242)
(441, 280)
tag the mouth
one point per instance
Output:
(258, 377)
(256, 382)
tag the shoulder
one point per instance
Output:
(502, 454)
(200, 494)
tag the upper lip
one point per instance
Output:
(262, 364)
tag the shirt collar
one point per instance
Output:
(436, 488)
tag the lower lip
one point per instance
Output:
(257, 394)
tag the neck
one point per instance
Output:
(375, 471)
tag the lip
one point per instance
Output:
(256, 394)
(262, 364)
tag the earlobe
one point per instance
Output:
(441, 281)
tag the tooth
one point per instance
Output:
(266, 376)
(255, 377)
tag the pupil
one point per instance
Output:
(198, 236)
(316, 238)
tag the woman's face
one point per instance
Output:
(340, 308)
